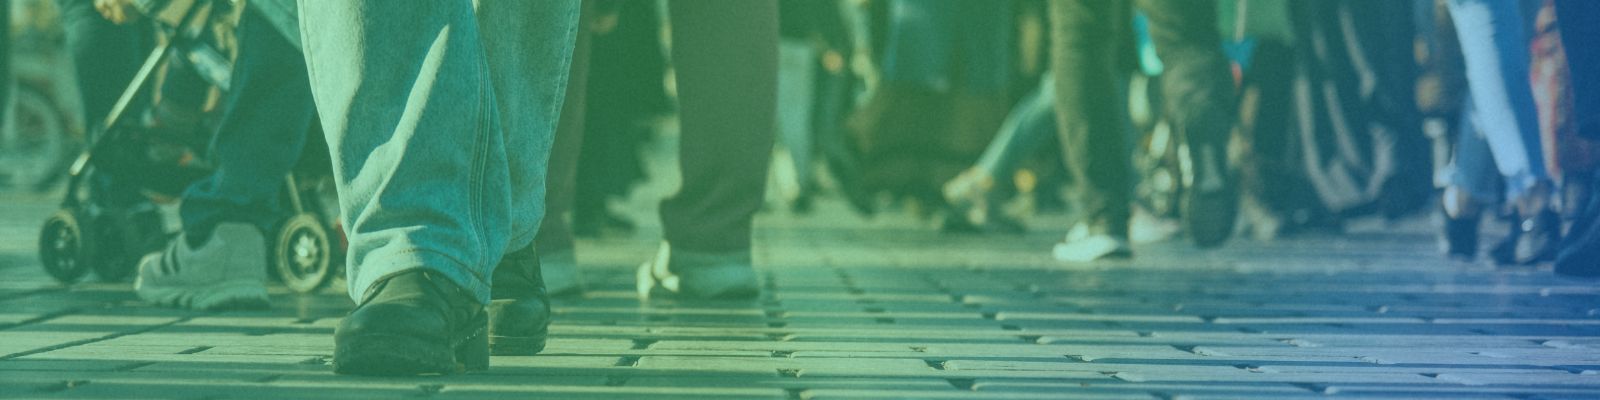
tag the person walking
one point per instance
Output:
(1090, 49)
(439, 116)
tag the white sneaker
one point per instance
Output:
(228, 272)
(1081, 246)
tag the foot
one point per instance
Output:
(970, 209)
(1461, 219)
(1460, 239)
(413, 323)
(519, 305)
(699, 275)
(1211, 203)
(985, 221)
(1540, 239)
(969, 188)
(226, 271)
(1082, 244)
(1531, 240)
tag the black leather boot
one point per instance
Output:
(519, 306)
(413, 323)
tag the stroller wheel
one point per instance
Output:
(64, 247)
(301, 254)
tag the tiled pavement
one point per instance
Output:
(885, 309)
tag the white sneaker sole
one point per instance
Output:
(231, 295)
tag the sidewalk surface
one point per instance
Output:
(884, 309)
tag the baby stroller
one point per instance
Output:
(147, 142)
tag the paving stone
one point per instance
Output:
(610, 392)
(796, 383)
(1167, 390)
(822, 394)
(885, 309)
(14, 343)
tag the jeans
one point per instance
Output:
(1473, 170)
(1495, 46)
(268, 115)
(439, 118)
(1091, 51)
(1029, 125)
(1580, 24)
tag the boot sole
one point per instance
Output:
(517, 345)
(397, 355)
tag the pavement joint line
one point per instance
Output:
(41, 318)
(94, 340)
(62, 386)
(428, 390)
(134, 366)
(196, 349)
(962, 383)
(643, 344)
(27, 293)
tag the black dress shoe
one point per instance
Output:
(1541, 238)
(1460, 239)
(519, 306)
(413, 323)
(1531, 241)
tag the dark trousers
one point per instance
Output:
(555, 230)
(1091, 52)
(266, 120)
(1580, 24)
(726, 55)
(107, 56)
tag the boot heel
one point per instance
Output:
(473, 354)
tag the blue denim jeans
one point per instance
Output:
(1495, 46)
(1031, 124)
(1473, 168)
(439, 117)
(263, 132)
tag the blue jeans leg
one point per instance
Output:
(1473, 170)
(1029, 126)
(439, 121)
(1495, 47)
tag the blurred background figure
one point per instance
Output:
(1091, 48)
(1580, 250)
(1202, 120)
(947, 70)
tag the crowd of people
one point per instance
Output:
(470, 141)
